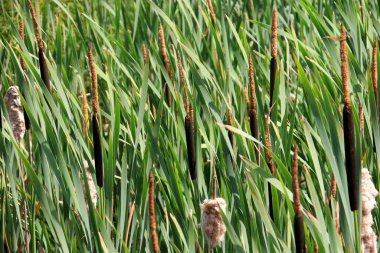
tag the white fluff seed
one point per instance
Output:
(212, 223)
(15, 112)
(91, 186)
(369, 194)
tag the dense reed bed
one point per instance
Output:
(189, 126)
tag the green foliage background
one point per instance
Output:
(215, 60)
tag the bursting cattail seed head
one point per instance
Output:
(152, 215)
(91, 186)
(15, 112)
(212, 223)
(369, 194)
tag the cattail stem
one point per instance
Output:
(96, 129)
(230, 120)
(374, 74)
(298, 219)
(189, 123)
(23, 66)
(253, 109)
(41, 49)
(273, 61)
(348, 127)
(152, 214)
(166, 61)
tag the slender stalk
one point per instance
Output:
(348, 127)
(23, 66)
(253, 109)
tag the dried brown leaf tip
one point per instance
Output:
(15, 112)
(374, 73)
(253, 109)
(96, 129)
(299, 233)
(152, 214)
(212, 13)
(145, 54)
(369, 194)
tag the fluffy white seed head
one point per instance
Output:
(15, 112)
(212, 223)
(369, 194)
(91, 186)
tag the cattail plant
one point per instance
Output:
(273, 61)
(299, 233)
(189, 123)
(152, 214)
(369, 194)
(91, 186)
(15, 112)
(253, 109)
(96, 126)
(23, 66)
(41, 48)
(212, 223)
(270, 162)
(348, 126)
(230, 120)
(374, 74)
(166, 62)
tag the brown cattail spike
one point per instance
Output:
(230, 120)
(166, 61)
(22, 35)
(253, 109)
(41, 49)
(189, 123)
(269, 162)
(96, 129)
(152, 215)
(299, 233)
(273, 61)
(374, 74)
(86, 120)
(348, 127)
